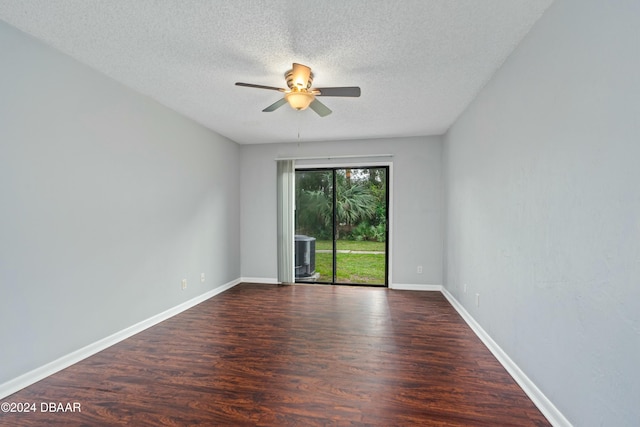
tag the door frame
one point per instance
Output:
(311, 165)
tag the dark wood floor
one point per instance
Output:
(301, 355)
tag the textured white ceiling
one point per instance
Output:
(419, 63)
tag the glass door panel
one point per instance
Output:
(361, 236)
(314, 261)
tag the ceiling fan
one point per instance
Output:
(300, 95)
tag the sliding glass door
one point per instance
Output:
(341, 225)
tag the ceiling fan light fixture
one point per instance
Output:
(299, 100)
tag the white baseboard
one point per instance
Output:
(548, 409)
(396, 286)
(57, 365)
(409, 287)
(266, 280)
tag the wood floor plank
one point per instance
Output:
(266, 355)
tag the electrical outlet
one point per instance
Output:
(184, 283)
(477, 300)
(202, 277)
(419, 269)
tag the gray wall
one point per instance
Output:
(108, 201)
(416, 192)
(543, 209)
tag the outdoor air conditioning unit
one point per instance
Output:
(305, 255)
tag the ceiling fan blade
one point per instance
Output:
(275, 105)
(350, 91)
(320, 108)
(259, 86)
(300, 75)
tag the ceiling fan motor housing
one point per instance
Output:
(295, 82)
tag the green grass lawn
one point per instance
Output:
(352, 268)
(351, 245)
